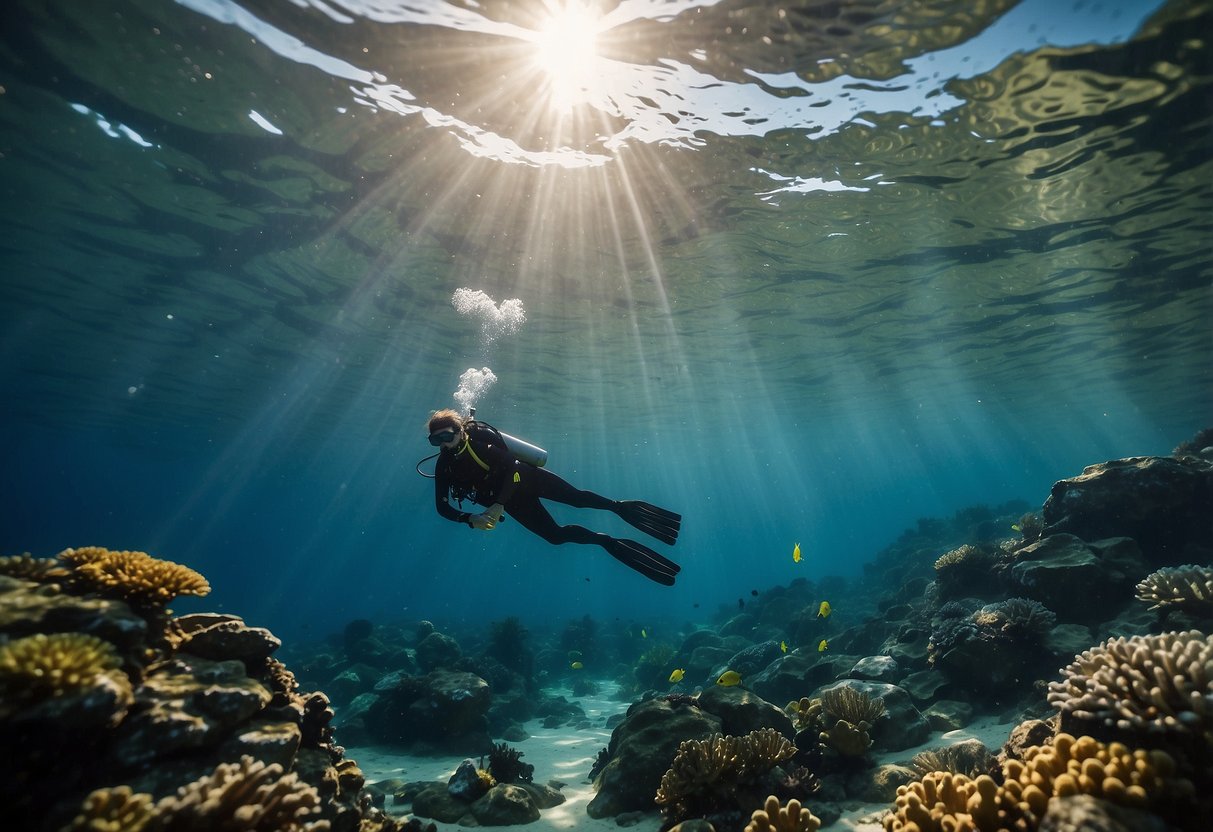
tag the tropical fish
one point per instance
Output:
(643, 634)
(677, 675)
(783, 647)
(823, 646)
(577, 665)
(729, 678)
(824, 610)
(796, 553)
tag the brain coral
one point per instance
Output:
(41, 666)
(1154, 686)
(1189, 588)
(135, 577)
(776, 818)
(947, 801)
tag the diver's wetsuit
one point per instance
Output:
(484, 470)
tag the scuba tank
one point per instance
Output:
(522, 450)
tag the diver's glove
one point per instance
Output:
(489, 520)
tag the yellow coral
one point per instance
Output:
(113, 810)
(943, 800)
(847, 739)
(1188, 587)
(32, 569)
(956, 557)
(136, 577)
(53, 665)
(776, 818)
(244, 796)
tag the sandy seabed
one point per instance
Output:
(565, 755)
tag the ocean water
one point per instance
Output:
(804, 273)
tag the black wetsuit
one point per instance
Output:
(484, 471)
(515, 484)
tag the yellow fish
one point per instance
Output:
(577, 665)
(729, 678)
(796, 553)
(824, 610)
(677, 675)
(823, 646)
(783, 647)
(643, 634)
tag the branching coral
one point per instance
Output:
(32, 569)
(1188, 588)
(135, 577)
(113, 810)
(776, 818)
(943, 800)
(956, 557)
(853, 705)
(241, 797)
(705, 774)
(42, 666)
(970, 758)
(1154, 686)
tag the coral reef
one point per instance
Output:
(1188, 588)
(134, 577)
(46, 666)
(774, 817)
(115, 704)
(706, 774)
(970, 758)
(944, 800)
(1152, 690)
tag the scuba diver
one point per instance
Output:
(477, 462)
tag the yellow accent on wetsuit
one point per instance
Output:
(467, 446)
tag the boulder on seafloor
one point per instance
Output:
(506, 804)
(1161, 502)
(225, 637)
(742, 711)
(1070, 577)
(876, 669)
(641, 750)
(446, 709)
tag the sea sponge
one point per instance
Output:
(1156, 687)
(42, 666)
(32, 569)
(238, 797)
(706, 773)
(855, 706)
(135, 577)
(776, 818)
(114, 810)
(1189, 588)
(947, 801)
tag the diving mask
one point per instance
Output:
(442, 437)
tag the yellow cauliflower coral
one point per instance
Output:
(43, 665)
(113, 810)
(776, 818)
(135, 577)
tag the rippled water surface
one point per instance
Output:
(803, 270)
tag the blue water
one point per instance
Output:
(806, 290)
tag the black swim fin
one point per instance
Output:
(658, 522)
(643, 559)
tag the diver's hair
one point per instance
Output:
(446, 418)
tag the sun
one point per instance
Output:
(566, 50)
